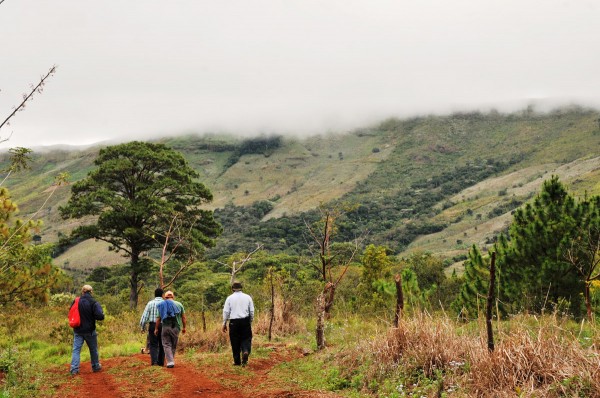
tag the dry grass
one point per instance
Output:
(285, 322)
(541, 360)
(212, 340)
(547, 363)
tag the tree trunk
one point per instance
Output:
(324, 304)
(320, 331)
(134, 279)
(133, 290)
(588, 301)
(399, 300)
(272, 306)
(490, 304)
(329, 299)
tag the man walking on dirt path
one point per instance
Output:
(157, 353)
(239, 311)
(171, 315)
(90, 311)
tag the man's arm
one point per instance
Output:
(97, 310)
(226, 313)
(144, 319)
(156, 326)
(183, 322)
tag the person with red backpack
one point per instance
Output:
(90, 311)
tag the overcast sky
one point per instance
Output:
(138, 69)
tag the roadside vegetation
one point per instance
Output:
(426, 356)
(347, 282)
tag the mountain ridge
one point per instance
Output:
(474, 169)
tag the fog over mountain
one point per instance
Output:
(143, 69)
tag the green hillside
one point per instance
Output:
(435, 183)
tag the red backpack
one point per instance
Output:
(74, 319)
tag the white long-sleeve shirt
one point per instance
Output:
(238, 305)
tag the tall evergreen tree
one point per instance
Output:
(548, 259)
(533, 264)
(472, 295)
(133, 193)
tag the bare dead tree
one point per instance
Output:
(236, 266)
(321, 234)
(176, 243)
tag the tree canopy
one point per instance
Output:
(542, 264)
(133, 195)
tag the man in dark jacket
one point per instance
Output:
(90, 311)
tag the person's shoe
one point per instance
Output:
(74, 372)
(98, 369)
(245, 358)
(171, 365)
(237, 364)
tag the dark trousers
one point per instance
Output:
(157, 353)
(240, 336)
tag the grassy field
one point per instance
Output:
(427, 356)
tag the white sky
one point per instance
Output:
(138, 69)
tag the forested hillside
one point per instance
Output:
(439, 183)
(378, 250)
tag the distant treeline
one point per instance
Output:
(261, 145)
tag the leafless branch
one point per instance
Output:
(175, 238)
(27, 97)
(235, 270)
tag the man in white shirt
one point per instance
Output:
(239, 311)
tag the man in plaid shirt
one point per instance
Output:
(157, 353)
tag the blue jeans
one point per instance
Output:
(91, 339)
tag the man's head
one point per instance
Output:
(169, 294)
(236, 286)
(86, 289)
(158, 292)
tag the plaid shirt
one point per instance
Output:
(150, 312)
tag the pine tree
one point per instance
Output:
(533, 266)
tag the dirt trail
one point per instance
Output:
(128, 377)
(133, 377)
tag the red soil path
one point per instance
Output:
(133, 377)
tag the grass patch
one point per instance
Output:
(428, 355)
